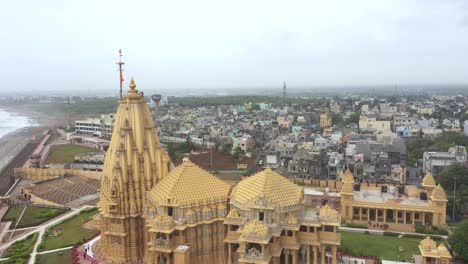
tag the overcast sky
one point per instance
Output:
(210, 44)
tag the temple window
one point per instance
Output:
(328, 228)
(303, 228)
(261, 216)
(170, 211)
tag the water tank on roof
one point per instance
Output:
(423, 196)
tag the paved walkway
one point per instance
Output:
(41, 229)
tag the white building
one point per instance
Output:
(435, 162)
(404, 120)
(99, 127)
(246, 143)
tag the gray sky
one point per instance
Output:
(209, 44)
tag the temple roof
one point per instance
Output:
(428, 248)
(438, 194)
(188, 184)
(428, 180)
(255, 228)
(270, 186)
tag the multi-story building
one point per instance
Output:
(245, 142)
(405, 120)
(100, 127)
(325, 120)
(389, 204)
(435, 162)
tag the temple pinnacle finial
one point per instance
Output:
(132, 84)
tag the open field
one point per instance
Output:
(66, 153)
(385, 247)
(69, 232)
(58, 257)
(32, 215)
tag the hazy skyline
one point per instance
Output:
(208, 44)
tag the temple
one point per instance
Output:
(154, 213)
(134, 163)
(433, 254)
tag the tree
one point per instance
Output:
(458, 240)
(447, 179)
(238, 153)
(353, 118)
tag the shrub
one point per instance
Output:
(356, 226)
(392, 234)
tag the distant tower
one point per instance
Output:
(120, 63)
(284, 93)
(157, 102)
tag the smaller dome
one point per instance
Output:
(327, 212)
(255, 228)
(221, 207)
(233, 213)
(206, 209)
(163, 219)
(428, 180)
(438, 194)
(428, 244)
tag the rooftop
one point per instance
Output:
(374, 195)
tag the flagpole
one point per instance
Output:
(120, 63)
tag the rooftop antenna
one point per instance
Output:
(120, 63)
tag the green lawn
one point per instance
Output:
(66, 153)
(71, 232)
(59, 257)
(385, 247)
(19, 251)
(32, 216)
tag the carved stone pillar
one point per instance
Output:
(308, 254)
(322, 254)
(315, 255)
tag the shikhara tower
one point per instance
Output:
(135, 162)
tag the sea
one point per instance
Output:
(10, 122)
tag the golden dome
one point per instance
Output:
(438, 194)
(233, 213)
(428, 180)
(255, 228)
(267, 187)
(428, 244)
(327, 212)
(189, 184)
(132, 85)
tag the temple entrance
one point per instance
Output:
(371, 215)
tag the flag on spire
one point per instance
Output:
(121, 72)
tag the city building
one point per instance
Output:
(245, 142)
(99, 127)
(325, 120)
(435, 162)
(398, 206)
